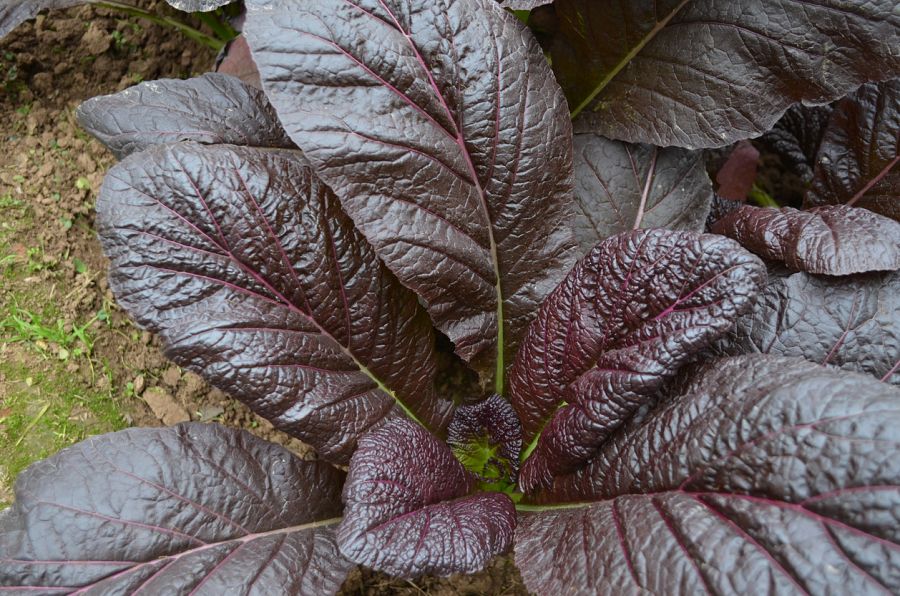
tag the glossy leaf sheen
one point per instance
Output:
(630, 314)
(408, 510)
(858, 159)
(765, 476)
(707, 73)
(442, 130)
(168, 510)
(849, 322)
(829, 240)
(621, 187)
(244, 263)
(211, 109)
(493, 418)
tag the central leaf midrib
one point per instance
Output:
(460, 142)
(606, 80)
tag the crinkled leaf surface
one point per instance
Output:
(196, 508)
(736, 177)
(198, 5)
(408, 510)
(15, 12)
(491, 422)
(829, 240)
(766, 476)
(628, 316)
(244, 263)
(858, 159)
(442, 130)
(797, 136)
(707, 73)
(622, 186)
(851, 322)
(212, 108)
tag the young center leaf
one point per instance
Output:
(796, 138)
(244, 263)
(440, 127)
(857, 163)
(409, 507)
(849, 322)
(628, 316)
(195, 508)
(621, 187)
(487, 436)
(707, 73)
(765, 475)
(829, 240)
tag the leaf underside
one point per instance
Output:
(440, 127)
(196, 508)
(244, 263)
(630, 314)
(706, 73)
(766, 475)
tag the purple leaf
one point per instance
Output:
(629, 315)
(237, 62)
(736, 177)
(830, 240)
(409, 511)
(621, 187)
(169, 510)
(707, 73)
(850, 322)
(766, 475)
(440, 127)
(797, 136)
(244, 263)
(213, 108)
(493, 420)
(858, 157)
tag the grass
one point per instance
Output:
(53, 390)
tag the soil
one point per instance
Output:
(53, 271)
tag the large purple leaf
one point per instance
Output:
(630, 314)
(409, 508)
(244, 263)
(850, 322)
(442, 130)
(621, 187)
(196, 508)
(707, 73)
(829, 240)
(765, 476)
(213, 108)
(858, 156)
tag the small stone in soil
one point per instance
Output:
(165, 407)
(171, 376)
